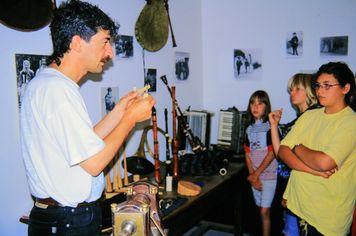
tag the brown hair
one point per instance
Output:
(262, 96)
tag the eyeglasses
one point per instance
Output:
(318, 86)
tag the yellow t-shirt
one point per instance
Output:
(326, 204)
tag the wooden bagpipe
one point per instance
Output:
(138, 164)
(153, 25)
(202, 162)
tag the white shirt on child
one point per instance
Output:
(258, 143)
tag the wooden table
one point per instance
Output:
(219, 201)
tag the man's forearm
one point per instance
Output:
(316, 160)
(108, 123)
(95, 164)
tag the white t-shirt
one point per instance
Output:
(56, 135)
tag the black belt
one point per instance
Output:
(51, 202)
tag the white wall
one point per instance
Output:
(126, 73)
(238, 24)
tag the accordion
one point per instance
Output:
(232, 125)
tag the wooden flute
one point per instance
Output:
(157, 165)
(166, 134)
(175, 144)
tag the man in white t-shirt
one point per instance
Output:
(63, 152)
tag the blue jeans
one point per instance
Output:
(305, 229)
(81, 220)
(291, 226)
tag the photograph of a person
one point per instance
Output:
(334, 46)
(124, 46)
(109, 96)
(182, 65)
(247, 63)
(151, 79)
(294, 44)
(27, 66)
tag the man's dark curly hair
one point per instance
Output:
(75, 17)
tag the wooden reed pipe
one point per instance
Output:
(119, 172)
(168, 156)
(175, 143)
(194, 141)
(109, 188)
(157, 173)
(115, 174)
(174, 44)
(126, 178)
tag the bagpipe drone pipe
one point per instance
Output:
(201, 161)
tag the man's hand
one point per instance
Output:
(112, 119)
(126, 101)
(140, 109)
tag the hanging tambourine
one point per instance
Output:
(152, 26)
(26, 15)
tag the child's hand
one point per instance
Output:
(331, 172)
(257, 185)
(252, 177)
(255, 181)
(284, 203)
(326, 174)
(275, 116)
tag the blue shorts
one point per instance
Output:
(264, 198)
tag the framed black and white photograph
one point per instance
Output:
(151, 79)
(247, 63)
(181, 65)
(27, 66)
(294, 44)
(109, 96)
(334, 46)
(124, 46)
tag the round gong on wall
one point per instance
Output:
(26, 15)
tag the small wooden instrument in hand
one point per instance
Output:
(142, 90)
